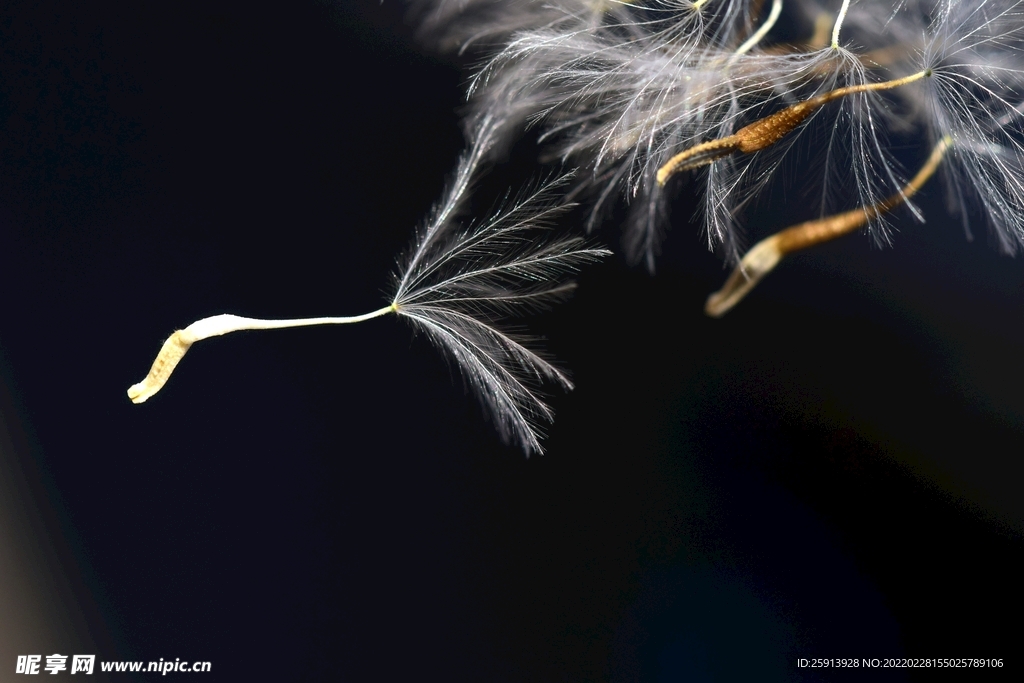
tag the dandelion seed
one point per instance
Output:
(766, 254)
(767, 131)
(458, 282)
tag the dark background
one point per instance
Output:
(832, 470)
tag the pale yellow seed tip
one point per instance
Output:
(757, 263)
(170, 355)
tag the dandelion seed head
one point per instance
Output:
(622, 95)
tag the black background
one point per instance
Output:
(832, 470)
